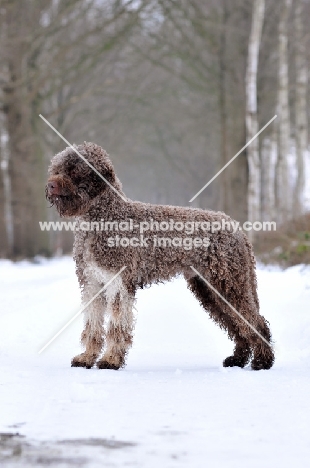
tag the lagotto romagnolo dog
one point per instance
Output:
(155, 243)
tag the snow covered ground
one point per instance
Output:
(174, 405)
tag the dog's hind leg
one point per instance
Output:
(119, 332)
(263, 353)
(219, 312)
(241, 355)
(92, 337)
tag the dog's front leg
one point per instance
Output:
(92, 337)
(119, 332)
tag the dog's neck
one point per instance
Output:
(108, 199)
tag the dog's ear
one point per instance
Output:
(100, 160)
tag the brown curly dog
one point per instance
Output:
(155, 243)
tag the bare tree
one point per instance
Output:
(254, 164)
(7, 191)
(301, 123)
(46, 49)
(269, 151)
(284, 195)
(222, 55)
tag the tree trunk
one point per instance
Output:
(7, 192)
(269, 160)
(25, 158)
(254, 165)
(225, 182)
(284, 195)
(301, 124)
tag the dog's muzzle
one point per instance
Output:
(53, 188)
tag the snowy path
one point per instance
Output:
(174, 405)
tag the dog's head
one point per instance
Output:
(73, 184)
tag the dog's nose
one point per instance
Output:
(53, 188)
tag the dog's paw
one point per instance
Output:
(112, 361)
(232, 361)
(259, 364)
(83, 360)
(103, 364)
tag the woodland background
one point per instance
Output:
(172, 89)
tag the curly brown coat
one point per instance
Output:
(223, 257)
